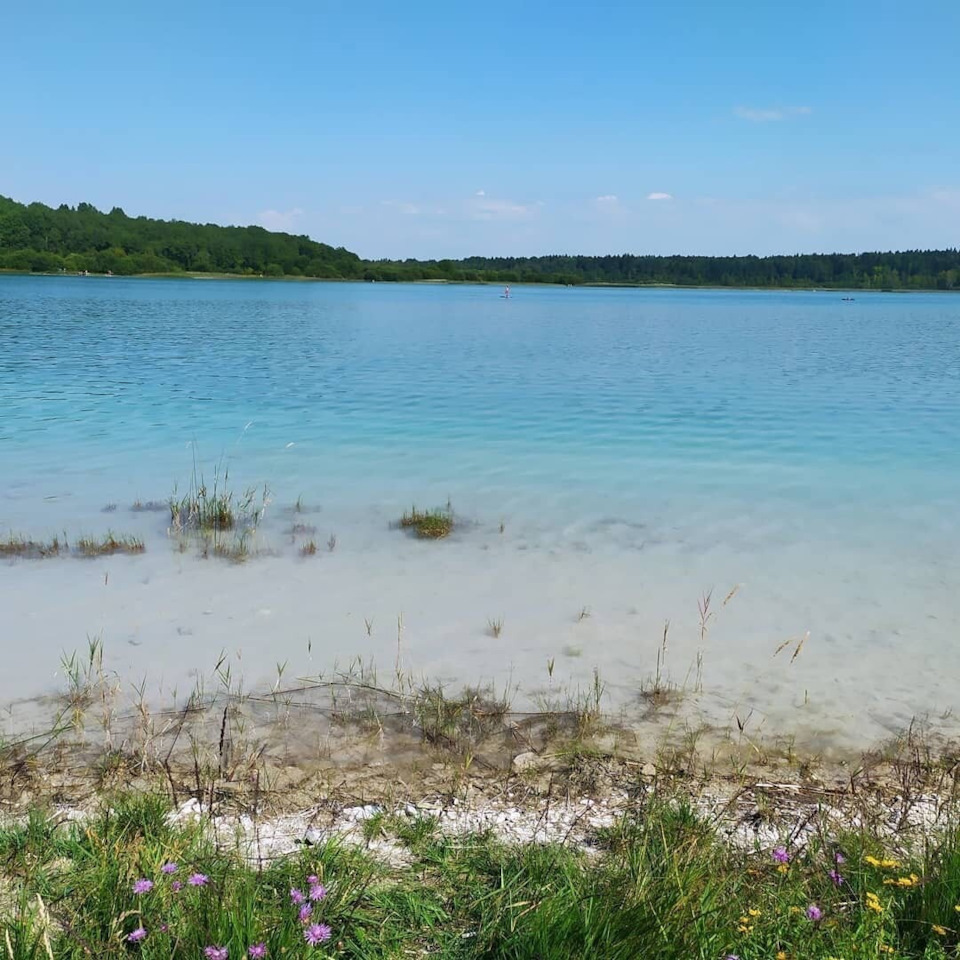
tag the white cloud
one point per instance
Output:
(279, 221)
(480, 193)
(410, 209)
(770, 114)
(607, 198)
(656, 195)
(489, 209)
(694, 223)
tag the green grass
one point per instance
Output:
(428, 524)
(16, 545)
(203, 510)
(660, 884)
(108, 545)
(28, 548)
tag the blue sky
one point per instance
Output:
(434, 129)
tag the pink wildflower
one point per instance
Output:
(317, 933)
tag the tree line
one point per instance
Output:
(38, 238)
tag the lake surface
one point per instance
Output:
(640, 448)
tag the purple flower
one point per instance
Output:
(305, 912)
(163, 928)
(296, 896)
(176, 886)
(780, 855)
(317, 933)
(257, 951)
(137, 935)
(215, 953)
(814, 913)
(143, 886)
(198, 880)
(835, 877)
(169, 868)
(317, 891)
(839, 858)
(312, 879)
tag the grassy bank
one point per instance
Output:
(659, 883)
(451, 826)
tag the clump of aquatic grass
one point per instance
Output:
(149, 506)
(495, 626)
(454, 721)
(658, 691)
(213, 509)
(308, 549)
(428, 524)
(332, 543)
(207, 511)
(583, 614)
(16, 545)
(107, 545)
(236, 549)
(302, 530)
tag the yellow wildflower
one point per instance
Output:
(885, 948)
(910, 881)
(796, 910)
(783, 868)
(873, 903)
(884, 864)
(781, 955)
(938, 930)
(753, 912)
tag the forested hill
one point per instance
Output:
(73, 239)
(37, 237)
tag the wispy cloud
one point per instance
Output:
(657, 195)
(484, 208)
(770, 114)
(607, 198)
(278, 221)
(480, 193)
(402, 206)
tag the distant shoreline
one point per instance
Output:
(594, 285)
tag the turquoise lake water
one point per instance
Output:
(639, 447)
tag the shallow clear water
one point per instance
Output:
(640, 447)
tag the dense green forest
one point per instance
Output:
(39, 238)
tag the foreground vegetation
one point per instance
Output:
(35, 237)
(659, 884)
(428, 524)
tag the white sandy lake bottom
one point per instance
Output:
(877, 619)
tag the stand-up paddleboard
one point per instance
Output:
(506, 294)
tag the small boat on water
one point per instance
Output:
(848, 299)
